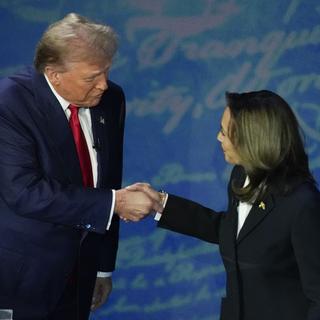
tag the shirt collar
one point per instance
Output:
(63, 102)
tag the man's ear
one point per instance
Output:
(53, 75)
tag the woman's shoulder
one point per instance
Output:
(304, 203)
(304, 192)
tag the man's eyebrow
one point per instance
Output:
(96, 73)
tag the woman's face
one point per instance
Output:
(230, 153)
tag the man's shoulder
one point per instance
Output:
(114, 95)
(114, 88)
(20, 81)
(17, 92)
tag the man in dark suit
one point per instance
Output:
(61, 141)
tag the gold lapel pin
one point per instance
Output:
(262, 205)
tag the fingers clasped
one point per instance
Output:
(137, 201)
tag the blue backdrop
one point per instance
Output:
(176, 60)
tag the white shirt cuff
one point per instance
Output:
(158, 215)
(101, 274)
(112, 209)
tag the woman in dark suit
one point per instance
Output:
(269, 237)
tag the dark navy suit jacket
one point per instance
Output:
(44, 209)
(273, 266)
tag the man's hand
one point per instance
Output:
(101, 292)
(134, 205)
(147, 189)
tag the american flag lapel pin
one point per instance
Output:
(101, 120)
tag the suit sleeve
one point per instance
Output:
(306, 245)
(190, 218)
(32, 193)
(193, 219)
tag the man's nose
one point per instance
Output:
(102, 83)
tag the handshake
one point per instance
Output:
(135, 202)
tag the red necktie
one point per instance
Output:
(81, 145)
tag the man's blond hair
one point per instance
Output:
(72, 39)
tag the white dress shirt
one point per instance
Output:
(243, 210)
(86, 125)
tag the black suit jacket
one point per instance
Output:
(273, 266)
(44, 208)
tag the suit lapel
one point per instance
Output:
(256, 215)
(237, 178)
(234, 225)
(100, 128)
(55, 127)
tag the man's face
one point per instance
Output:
(82, 84)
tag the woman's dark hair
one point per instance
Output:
(267, 137)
